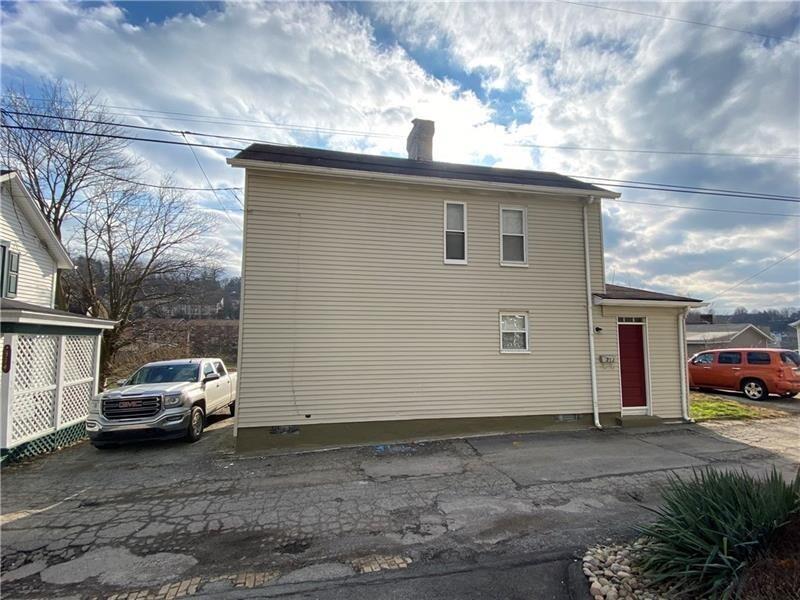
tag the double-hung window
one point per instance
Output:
(514, 332)
(455, 233)
(513, 236)
(9, 272)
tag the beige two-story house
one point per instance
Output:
(399, 299)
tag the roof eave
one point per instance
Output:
(416, 179)
(54, 246)
(648, 303)
(27, 317)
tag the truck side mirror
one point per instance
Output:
(210, 377)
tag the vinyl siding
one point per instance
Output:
(37, 269)
(664, 358)
(747, 339)
(350, 314)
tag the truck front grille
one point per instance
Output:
(131, 408)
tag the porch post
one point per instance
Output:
(59, 391)
(7, 390)
(97, 347)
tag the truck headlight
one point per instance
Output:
(94, 404)
(173, 400)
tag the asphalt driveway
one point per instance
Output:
(492, 517)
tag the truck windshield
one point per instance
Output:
(165, 374)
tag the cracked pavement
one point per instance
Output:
(89, 523)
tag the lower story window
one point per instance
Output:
(513, 332)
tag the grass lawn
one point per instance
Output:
(705, 407)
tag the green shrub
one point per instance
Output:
(711, 525)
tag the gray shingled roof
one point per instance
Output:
(618, 292)
(314, 157)
(719, 332)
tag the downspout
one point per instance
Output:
(683, 372)
(589, 315)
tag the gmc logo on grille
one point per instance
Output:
(130, 404)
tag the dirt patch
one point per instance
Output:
(776, 573)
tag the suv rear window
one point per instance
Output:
(730, 358)
(758, 358)
(791, 358)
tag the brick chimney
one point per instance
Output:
(420, 140)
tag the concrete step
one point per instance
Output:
(639, 421)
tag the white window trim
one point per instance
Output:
(524, 209)
(455, 261)
(527, 349)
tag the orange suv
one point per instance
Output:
(756, 372)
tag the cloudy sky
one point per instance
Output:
(505, 82)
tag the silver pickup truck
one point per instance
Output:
(167, 399)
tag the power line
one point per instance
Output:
(244, 122)
(686, 21)
(131, 181)
(654, 151)
(689, 187)
(237, 149)
(754, 275)
(719, 210)
(208, 181)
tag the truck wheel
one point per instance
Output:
(232, 407)
(197, 421)
(755, 389)
(105, 445)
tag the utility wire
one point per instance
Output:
(689, 187)
(719, 210)
(208, 181)
(654, 151)
(754, 275)
(511, 145)
(131, 181)
(686, 21)
(236, 149)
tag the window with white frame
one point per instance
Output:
(455, 233)
(513, 332)
(513, 236)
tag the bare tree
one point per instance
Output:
(58, 167)
(136, 247)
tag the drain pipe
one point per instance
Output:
(589, 311)
(684, 375)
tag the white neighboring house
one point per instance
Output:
(50, 358)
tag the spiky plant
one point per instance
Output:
(711, 525)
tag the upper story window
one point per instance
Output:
(9, 272)
(513, 236)
(455, 233)
(513, 332)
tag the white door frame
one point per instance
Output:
(647, 409)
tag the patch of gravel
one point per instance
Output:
(614, 574)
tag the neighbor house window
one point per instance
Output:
(513, 237)
(9, 273)
(513, 332)
(455, 233)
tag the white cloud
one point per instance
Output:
(589, 77)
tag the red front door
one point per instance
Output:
(631, 365)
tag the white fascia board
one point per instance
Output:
(37, 220)
(647, 303)
(414, 179)
(31, 318)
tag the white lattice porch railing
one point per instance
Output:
(48, 385)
